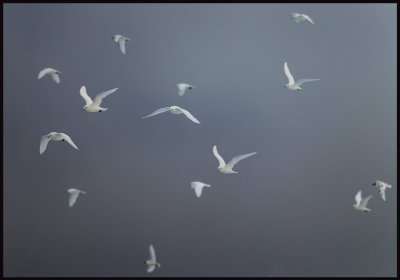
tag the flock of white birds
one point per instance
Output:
(93, 106)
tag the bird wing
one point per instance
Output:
(44, 72)
(198, 187)
(189, 115)
(382, 193)
(288, 74)
(85, 96)
(99, 98)
(73, 196)
(121, 43)
(236, 159)
(152, 253)
(69, 140)
(302, 81)
(43, 143)
(309, 19)
(358, 198)
(364, 201)
(219, 158)
(158, 111)
(181, 89)
(150, 268)
(55, 77)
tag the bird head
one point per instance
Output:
(84, 108)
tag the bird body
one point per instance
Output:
(55, 136)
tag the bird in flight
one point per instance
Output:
(152, 262)
(301, 17)
(94, 105)
(198, 187)
(121, 40)
(292, 85)
(382, 186)
(73, 196)
(182, 87)
(54, 74)
(227, 168)
(55, 136)
(174, 110)
(361, 203)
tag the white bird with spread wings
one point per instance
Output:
(54, 74)
(301, 17)
(361, 203)
(227, 168)
(152, 262)
(174, 110)
(55, 136)
(292, 85)
(121, 40)
(94, 105)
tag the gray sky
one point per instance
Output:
(288, 212)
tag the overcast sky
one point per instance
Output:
(288, 212)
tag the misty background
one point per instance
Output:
(288, 212)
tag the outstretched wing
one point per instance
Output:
(189, 115)
(364, 202)
(152, 253)
(43, 143)
(121, 43)
(44, 72)
(382, 193)
(198, 187)
(158, 111)
(236, 159)
(85, 96)
(55, 77)
(309, 19)
(288, 74)
(99, 98)
(72, 198)
(69, 140)
(302, 81)
(181, 89)
(151, 267)
(358, 198)
(219, 158)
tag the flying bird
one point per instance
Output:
(94, 105)
(227, 168)
(182, 87)
(55, 136)
(152, 262)
(174, 110)
(301, 17)
(73, 196)
(382, 186)
(121, 40)
(198, 187)
(55, 74)
(292, 85)
(361, 203)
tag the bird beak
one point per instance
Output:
(374, 184)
